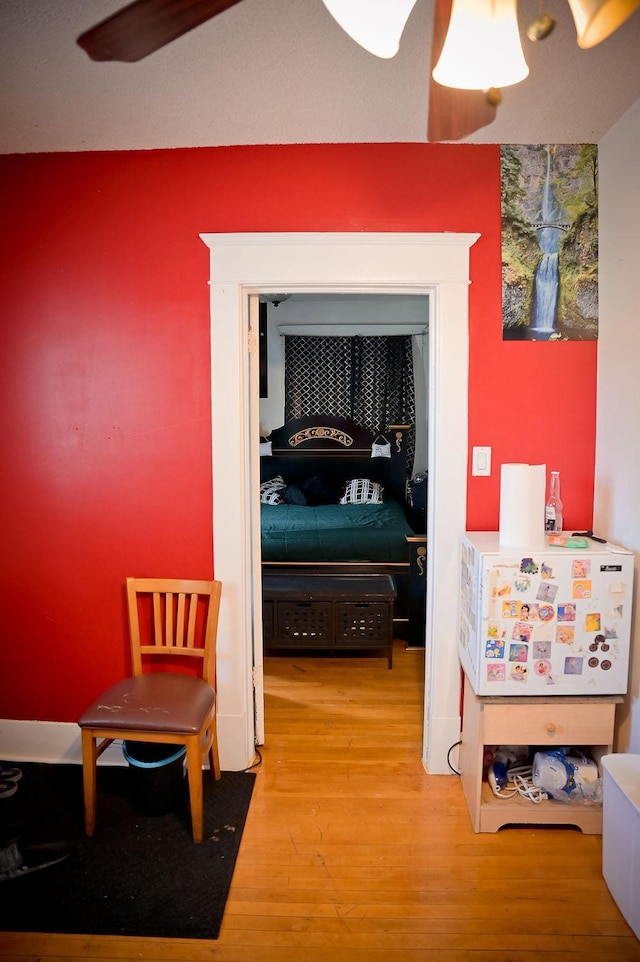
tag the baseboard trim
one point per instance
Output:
(440, 746)
(52, 742)
(59, 743)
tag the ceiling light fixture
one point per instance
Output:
(376, 25)
(482, 49)
(596, 20)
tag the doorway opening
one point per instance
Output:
(363, 357)
(252, 264)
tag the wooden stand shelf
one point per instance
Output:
(558, 722)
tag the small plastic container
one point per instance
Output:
(157, 776)
(621, 833)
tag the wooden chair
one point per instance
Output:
(172, 628)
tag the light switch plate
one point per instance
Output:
(481, 463)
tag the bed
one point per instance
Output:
(336, 500)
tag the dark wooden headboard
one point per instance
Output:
(330, 445)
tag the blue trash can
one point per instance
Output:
(157, 776)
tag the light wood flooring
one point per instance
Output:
(352, 853)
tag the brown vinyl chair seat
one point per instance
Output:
(152, 704)
(171, 622)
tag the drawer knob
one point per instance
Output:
(551, 728)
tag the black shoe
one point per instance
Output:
(18, 858)
(10, 773)
(8, 787)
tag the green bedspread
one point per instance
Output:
(335, 532)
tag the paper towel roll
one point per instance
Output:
(522, 489)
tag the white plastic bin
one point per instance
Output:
(621, 833)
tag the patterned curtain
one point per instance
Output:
(367, 379)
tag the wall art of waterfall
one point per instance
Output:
(549, 242)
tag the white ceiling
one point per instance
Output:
(283, 71)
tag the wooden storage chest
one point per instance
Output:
(329, 611)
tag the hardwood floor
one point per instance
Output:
(352, 853)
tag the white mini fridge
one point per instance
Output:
(544, 621)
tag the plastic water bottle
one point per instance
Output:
(553, 508)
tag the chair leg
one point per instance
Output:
(89, 761)
(194, 775)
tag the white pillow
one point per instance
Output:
(266, 449)
(270, 490)
(362, 491)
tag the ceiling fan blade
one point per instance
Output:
(147, 25)
(453, 114)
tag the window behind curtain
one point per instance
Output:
(367, 379)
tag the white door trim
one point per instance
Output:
(243, 264)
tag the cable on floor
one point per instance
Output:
(257, 762)
(455, 745)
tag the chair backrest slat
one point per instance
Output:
(157, 619)
(191, 627)
(168, 620)
(179, 635)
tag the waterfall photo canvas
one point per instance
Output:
(549, 242)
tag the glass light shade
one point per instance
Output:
(376, 25)
(595, 20)
(482, 48)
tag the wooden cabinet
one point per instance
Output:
(562, 722)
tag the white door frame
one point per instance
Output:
(245, 264)
(257, 654)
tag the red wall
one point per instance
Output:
(106, 426)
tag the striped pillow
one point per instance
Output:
(271, 491)
(362, 491)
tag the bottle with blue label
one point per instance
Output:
(553, 508)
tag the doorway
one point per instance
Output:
(246, 264)
(317, 357)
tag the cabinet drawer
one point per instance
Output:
(304, 624)
(548, 724)
(366, 623)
